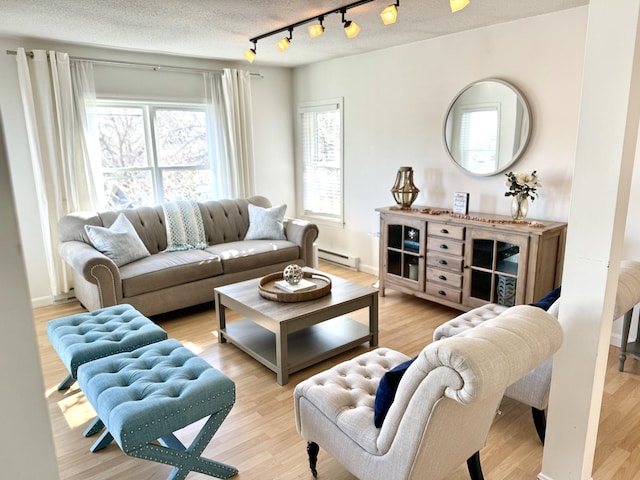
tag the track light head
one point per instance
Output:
(285, 42)
(351, 29)
(457, 5)
(390, 14)
(317, 29)
(250, 54)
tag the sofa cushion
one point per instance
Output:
(167, 269)
(248, 254)
(266, 223)
(120, 242)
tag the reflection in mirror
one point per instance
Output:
(487, 127)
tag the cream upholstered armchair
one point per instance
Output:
(444, 405)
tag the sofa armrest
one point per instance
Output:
(94, 267)
(303, 234)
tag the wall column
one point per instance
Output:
(605, 153)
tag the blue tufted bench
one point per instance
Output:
(84, 337)
(145, 395)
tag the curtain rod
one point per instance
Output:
(152, 66)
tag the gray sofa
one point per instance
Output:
(167, 281)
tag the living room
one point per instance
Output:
(395, 101)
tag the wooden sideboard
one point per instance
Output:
(465, 261)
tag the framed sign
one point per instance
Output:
(461, 203)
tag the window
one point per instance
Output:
(153, 153)
(479, 131)
(321, 159)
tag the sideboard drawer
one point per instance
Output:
(444, 230)
(445, 245)
(448, 262)
(451, 294)
(444, 277)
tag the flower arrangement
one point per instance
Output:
(522, 184)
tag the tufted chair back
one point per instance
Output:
(444, 405)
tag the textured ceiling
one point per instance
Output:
(220, 29)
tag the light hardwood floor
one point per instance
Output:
(259, 437)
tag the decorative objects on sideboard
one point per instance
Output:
(404, 191)
(461, 203)
(522, 186)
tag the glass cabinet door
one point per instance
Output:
(404, 252)
(495, 268)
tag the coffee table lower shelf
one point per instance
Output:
(305, 347)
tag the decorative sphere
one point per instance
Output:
(292, 274)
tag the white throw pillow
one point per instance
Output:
(266, 223)
(120, 242)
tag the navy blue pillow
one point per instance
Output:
(386, 392)
(548, 299)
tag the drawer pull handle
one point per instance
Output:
(442, 277)
(442, 292)
(442, 262)
(444, 230)
(443, 246)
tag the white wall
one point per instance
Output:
(396, 100)
(26, 447)
(395, 103)
(273, 142)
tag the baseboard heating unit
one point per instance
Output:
(339, 259)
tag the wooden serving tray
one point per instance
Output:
(269, 291)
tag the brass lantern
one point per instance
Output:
(404, 191)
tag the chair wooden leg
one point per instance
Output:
(626, 326)
(475, 469)
(540, 422)
(312, 451)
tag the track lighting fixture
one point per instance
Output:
(351, 29)
(317, 29)
(250, 54)
(457, 5)
(390, 14)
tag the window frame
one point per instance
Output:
(335, 104)
(464, 136)
(149, 108)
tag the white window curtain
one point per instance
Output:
(231, 132)
(57, 146)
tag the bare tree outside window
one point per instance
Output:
(153, 154)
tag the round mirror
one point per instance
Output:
(487, 127)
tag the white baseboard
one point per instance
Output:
(41, 301)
